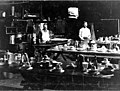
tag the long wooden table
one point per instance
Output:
(115, 55)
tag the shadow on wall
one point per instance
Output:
(4, 43)
(4, 39)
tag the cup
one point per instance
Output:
(85, 66)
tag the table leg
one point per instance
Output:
(63, 57)
(56, 56)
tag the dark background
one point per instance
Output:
(91, 11)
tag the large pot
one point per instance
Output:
(11, 57)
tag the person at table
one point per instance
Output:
(84, 32)
(45, 33)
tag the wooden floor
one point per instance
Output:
(12, 82)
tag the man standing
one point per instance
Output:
(84, 32)
(85, 36)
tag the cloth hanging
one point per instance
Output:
(60, 26)
(12, 39)
(93, 37)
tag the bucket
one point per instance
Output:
(8, 75)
